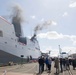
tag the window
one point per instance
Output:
(1, 34)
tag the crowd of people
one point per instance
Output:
(42, 61)
(61, 64)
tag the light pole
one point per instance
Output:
(60, 51)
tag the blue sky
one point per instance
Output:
(61, 13)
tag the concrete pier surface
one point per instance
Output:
(24, 69)
(31, 69)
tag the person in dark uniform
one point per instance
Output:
(61, 64)
(74, 63)
(43, 60)
(41, 64)
(64, 64)
(49, 64)
(67, 64)
(46, 62)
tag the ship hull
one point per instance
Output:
(11, 49)
(6, 58)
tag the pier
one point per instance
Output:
(31, 69)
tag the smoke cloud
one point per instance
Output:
(40, 27)
(16, 14)
(17, 19)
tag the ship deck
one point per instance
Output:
(31, 69)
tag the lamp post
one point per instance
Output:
(60, 51)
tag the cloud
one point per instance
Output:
(33, 17)
(69, 50)
(50, 35)
(29, 37)
(54, 23)
(53, 52)
(54, 35)
(44, 25)
(73, 38)
(46, 49)
(42, 19)
(72, 5)
(65, 14)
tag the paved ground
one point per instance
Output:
(30, 69)
(25, 69)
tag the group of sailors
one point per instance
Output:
(60, 64)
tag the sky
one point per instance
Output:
(60, 14)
